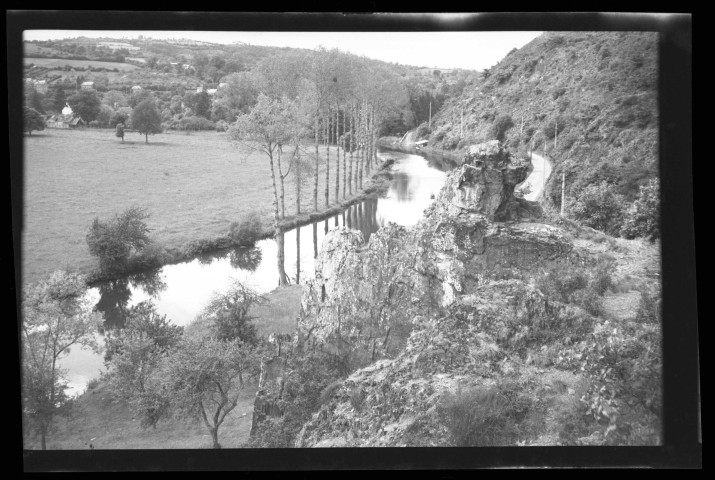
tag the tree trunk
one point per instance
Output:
(282, 276)
(327, 160)
(298, 179)
(337, 154)
(276, 227)
(214, 437)
(43, 438)
(352, 147)
(297, 255)
(147, 137)
(315, 187)
(280, 174)
(315, 240)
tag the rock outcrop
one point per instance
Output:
(418, 310)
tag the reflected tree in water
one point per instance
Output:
(246, 258)
(114, 295)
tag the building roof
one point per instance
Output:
(422, 142)
(87, 83)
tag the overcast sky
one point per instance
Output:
(469, 50)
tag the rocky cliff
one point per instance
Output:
(445, 306)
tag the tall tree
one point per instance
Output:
(86, 104)
(269, 125)
(56, 315)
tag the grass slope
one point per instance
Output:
(193, 186)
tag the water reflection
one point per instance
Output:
(246, 258)
(114, 296)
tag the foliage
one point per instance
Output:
(247, 230)
(309, 375)
(423, 131)
(484, 416)
(501, 125)
(642, 219)
(146, 119)
(33, 120)
(56, 315)
(120, 131)
(133, 355)
(229, 313)
(86, 104)
(113, 242)
(204, 377)
(599, 207)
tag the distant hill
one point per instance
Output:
(596, 92)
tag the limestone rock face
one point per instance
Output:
(377, 304)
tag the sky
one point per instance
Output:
(467, 50)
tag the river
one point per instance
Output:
(181, 291)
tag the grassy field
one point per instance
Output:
(193, 185)
(61, 62)
(105, 422)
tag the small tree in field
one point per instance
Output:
(113, 242)
(33, 120)
(146, 118)
(205, 376)
(55, 316)
(120, 131)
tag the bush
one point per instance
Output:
(423, 131)
(246, 231)
(113, 242)
(229, 313)
(500, 126)
(599, 207)
(484, 416)
(561, 282)
(642, 219)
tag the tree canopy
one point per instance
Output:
(32, 120)
(86, 104)
(56, 315)
(146, 118)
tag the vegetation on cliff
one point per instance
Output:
(588, 100)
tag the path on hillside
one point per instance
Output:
(537, 178)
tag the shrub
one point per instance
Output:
(561, 282)
(114, 241)
(246, 231)
(357, 396)
(599, 207)
(642, 219)
(484, 416)
(423, 131)
(500, 126)
(602, 275)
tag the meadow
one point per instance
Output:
(192, 185)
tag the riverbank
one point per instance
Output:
(452, 157)
(192, 186)
(375, 186)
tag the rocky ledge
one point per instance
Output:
(423, 310)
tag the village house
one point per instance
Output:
(67, 119)
(136, 88)
(87, 86)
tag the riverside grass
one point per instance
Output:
(192, 185)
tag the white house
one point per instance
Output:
(87, 86)
(136, 88)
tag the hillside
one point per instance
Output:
(588, 100)
(483, 325)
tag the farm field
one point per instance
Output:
(61, 62)
(193, 186)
